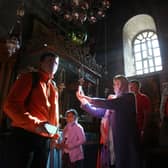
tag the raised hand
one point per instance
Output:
(81, 96)
(80, 93)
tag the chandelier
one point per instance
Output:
(80, 11)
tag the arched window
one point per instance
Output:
(141, 46)
(146, 53)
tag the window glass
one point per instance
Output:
(146, 52)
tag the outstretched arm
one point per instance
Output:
(82, 97)
(86, 106)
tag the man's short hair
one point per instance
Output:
(72, 111)
(136, 82)
(47, 54)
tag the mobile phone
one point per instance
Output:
(80, 89)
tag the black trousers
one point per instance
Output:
(26, 150)
(66, 163)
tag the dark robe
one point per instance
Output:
(125, 135)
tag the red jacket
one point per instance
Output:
(41, 106)
(143, 105)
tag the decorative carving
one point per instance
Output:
(79, 54)
(83, 55)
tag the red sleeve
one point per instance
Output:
(147, 110)
(147, 104)
(14, 104)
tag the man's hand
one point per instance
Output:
(41, 128)
(81, 96)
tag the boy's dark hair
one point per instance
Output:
(136, 82)
(47, 54)
(72, 111)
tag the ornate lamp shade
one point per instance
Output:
(80, 11)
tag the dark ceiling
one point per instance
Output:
(119, 12)
(41, 10)
(34, 9)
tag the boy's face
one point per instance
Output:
(50, 64)
(133, 87)
(70, 117)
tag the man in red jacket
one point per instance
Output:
(32, 110)
(143, 106)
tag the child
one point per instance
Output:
(72, 139)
